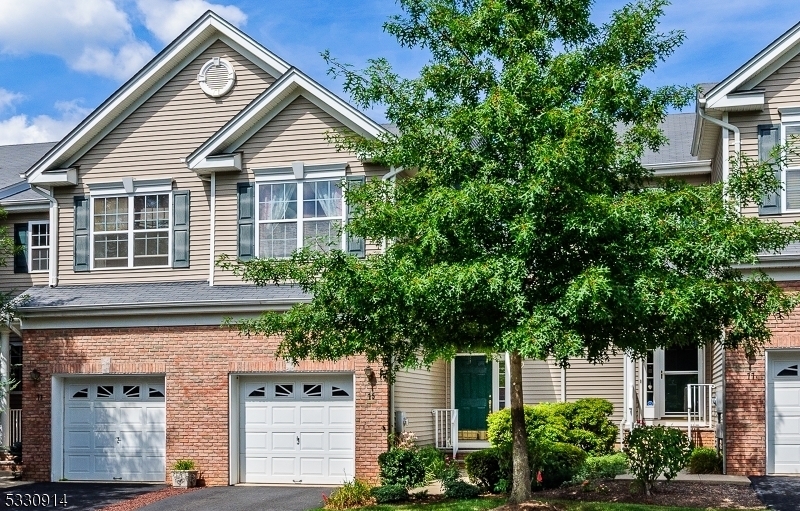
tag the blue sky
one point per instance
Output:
(62, 58)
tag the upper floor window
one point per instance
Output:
(131, 231)
(294, 214)
(34, 238)
(791, 142)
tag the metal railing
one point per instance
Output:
(699, 406)
(15, 425)
(446, 429)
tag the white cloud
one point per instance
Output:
(22, 129)
(90, 35)
(166, 19)
(8, 98)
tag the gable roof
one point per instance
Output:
(268, 104)
(179, 53)
(755, 70)
(16, 159)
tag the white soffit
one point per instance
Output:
(272, 101)
(686, 168)
(193, 41)
(755, 70)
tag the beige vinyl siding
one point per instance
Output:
(17, 283)
(149, 144)
(541, 381)
(585, 379)
(717, 374)
(297, 133)
(781, 90)
(716, 163)
(417, 392)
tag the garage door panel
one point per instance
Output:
(784, 414)
(310, 430)
(114, 431)
(786, 426)
(257, 413)
(341, 415)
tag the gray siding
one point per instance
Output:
(598, 380)
(541, 381)
(149, 144)
(417, 392)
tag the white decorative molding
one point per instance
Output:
(129, 186)
(216, 77)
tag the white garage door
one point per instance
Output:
(297, 429)
(114, 430)
(784, 414)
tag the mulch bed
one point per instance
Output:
(147, 498)
(674, 493)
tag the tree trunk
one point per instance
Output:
(521, 481)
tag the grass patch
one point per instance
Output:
(449, 505)
(613, 506)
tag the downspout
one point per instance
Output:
(737, 139)
(53, 271)
(212, 236)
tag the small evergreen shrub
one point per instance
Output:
(433, 461)
(654, 451)
(355, 493)
(584, 423)
(461, 490)
(705, 461)
(556, 462)
(483, 468)
(389, 493)
(602, 467)
(401, 466)
(449, 472)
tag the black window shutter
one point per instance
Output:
(81, 234)
(768, 137)
(246, 232)
(21, 245)
(180, 229)
(355, 245)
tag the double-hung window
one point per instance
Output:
(299, 213)
(131, 231)
(791, 144)
(33, 238)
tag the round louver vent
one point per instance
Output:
(216, 77)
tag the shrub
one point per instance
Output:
(401, 466)
(355, 493)
(602, 467)
(433, 461)
(461, 490)
(557, 462)
(705, 461)
(183, 465)
(584, 423)
(389, 493)
(483, 468)
(656, 450)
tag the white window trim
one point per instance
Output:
(130, 232)
(49, 246)
(787, 121)
(658, 381)
(300, 218)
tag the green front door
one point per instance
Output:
(473, 395)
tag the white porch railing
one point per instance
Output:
(446, 429)
(15, 425)
(699, 404)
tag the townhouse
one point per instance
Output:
(218, 146)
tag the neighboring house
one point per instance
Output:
(218, 146)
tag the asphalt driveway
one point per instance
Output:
(244, 498)
(79, 496)
(778, 492)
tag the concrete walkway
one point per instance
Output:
(706, 478)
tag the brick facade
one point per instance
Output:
(197, 362)
(745, 398)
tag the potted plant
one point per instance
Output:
(184, 474)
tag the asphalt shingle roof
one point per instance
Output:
(16, 159)
(679, 130)
(173, 293)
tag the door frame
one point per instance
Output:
(495, 379)
(58, 383)
(657, 410)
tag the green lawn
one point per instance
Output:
(490, 503)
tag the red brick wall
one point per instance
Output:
(745, 398)
(197, 362)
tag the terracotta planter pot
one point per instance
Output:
(184, 478)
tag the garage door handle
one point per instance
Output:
(297, 480)
(298, 440)
(118, 440)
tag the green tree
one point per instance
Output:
(526, 223)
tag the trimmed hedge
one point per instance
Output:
(483, 468)
(389, 493)
(401, 467)
(584, 423)
(705, 461)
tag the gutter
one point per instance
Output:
(53, 230)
